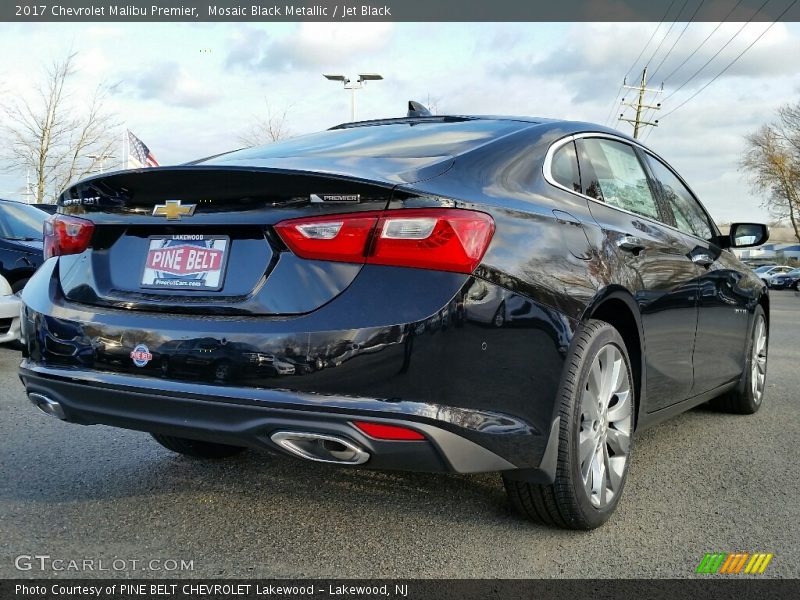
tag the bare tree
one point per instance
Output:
(273, 128)
(772, 162)
(52, 137)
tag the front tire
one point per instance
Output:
(746, 398)
(597, 401)
(197, 448)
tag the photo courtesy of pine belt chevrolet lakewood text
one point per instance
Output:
(430, 293)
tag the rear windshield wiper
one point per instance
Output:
(24, 239)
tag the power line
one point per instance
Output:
(666, 35)
(703, 43)
(636, 61)
(647, 135)
(651, 112)
(678, 39)
(730, 64)
(717, 53)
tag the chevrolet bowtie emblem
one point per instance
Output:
(173, 210)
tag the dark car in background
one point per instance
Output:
(46, 207)
(787, 280)
(20, 241)
(766, 273)
(468, 294)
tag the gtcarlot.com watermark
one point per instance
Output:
(44, 563)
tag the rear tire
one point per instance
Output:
(596, 409)
(746, 398)
(197, 448)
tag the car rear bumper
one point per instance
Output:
(9, 318)
(482, 394)
(246, 417)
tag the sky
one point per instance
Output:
(192, 90)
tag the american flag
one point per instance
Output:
(139, 155)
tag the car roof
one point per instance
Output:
(440, 119)
(524, 122)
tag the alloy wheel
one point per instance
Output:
(605, 426)
(758, 364)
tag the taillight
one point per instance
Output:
(443, 239)
(340, 238)
(66, 235)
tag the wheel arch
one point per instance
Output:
(617, 307)
(17, 274)
(763, 300)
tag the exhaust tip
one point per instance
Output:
(321, 447)
(47, 405)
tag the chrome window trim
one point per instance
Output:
(548, 176)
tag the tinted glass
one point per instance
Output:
(689, 216)
(395, 140)
(617, 177)
(20, 221)
(564, 167)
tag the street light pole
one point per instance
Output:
(100, 160)
(358, 84)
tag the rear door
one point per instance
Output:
(655, 263)
(724, 293)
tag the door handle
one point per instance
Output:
(704, 259)
(630, 243)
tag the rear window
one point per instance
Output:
(396, 140)
(21, 222)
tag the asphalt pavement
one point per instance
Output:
(702, 482)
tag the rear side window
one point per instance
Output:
(615, 176)
(21, 222)
(564, 167)
(689, 215)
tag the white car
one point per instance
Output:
(9, 313)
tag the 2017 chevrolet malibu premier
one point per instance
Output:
(462, 294)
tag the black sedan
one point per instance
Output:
(470, 294)
(20, 241)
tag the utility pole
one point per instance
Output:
(642, 89)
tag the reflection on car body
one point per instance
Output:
(513, 295)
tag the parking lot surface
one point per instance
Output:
(702, 482)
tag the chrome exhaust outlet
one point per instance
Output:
(321, 447)
(47, 405)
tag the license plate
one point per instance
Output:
(186, 262)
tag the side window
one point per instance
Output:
(616, 176)
(689, 215)
(4, 229)
(564, 167)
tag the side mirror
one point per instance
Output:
(745, 235)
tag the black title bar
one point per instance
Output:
(65, 11)
(707, 588)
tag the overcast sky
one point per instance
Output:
(190, 90)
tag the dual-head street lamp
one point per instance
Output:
(359, 83)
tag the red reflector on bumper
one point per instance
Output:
(379, 431)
